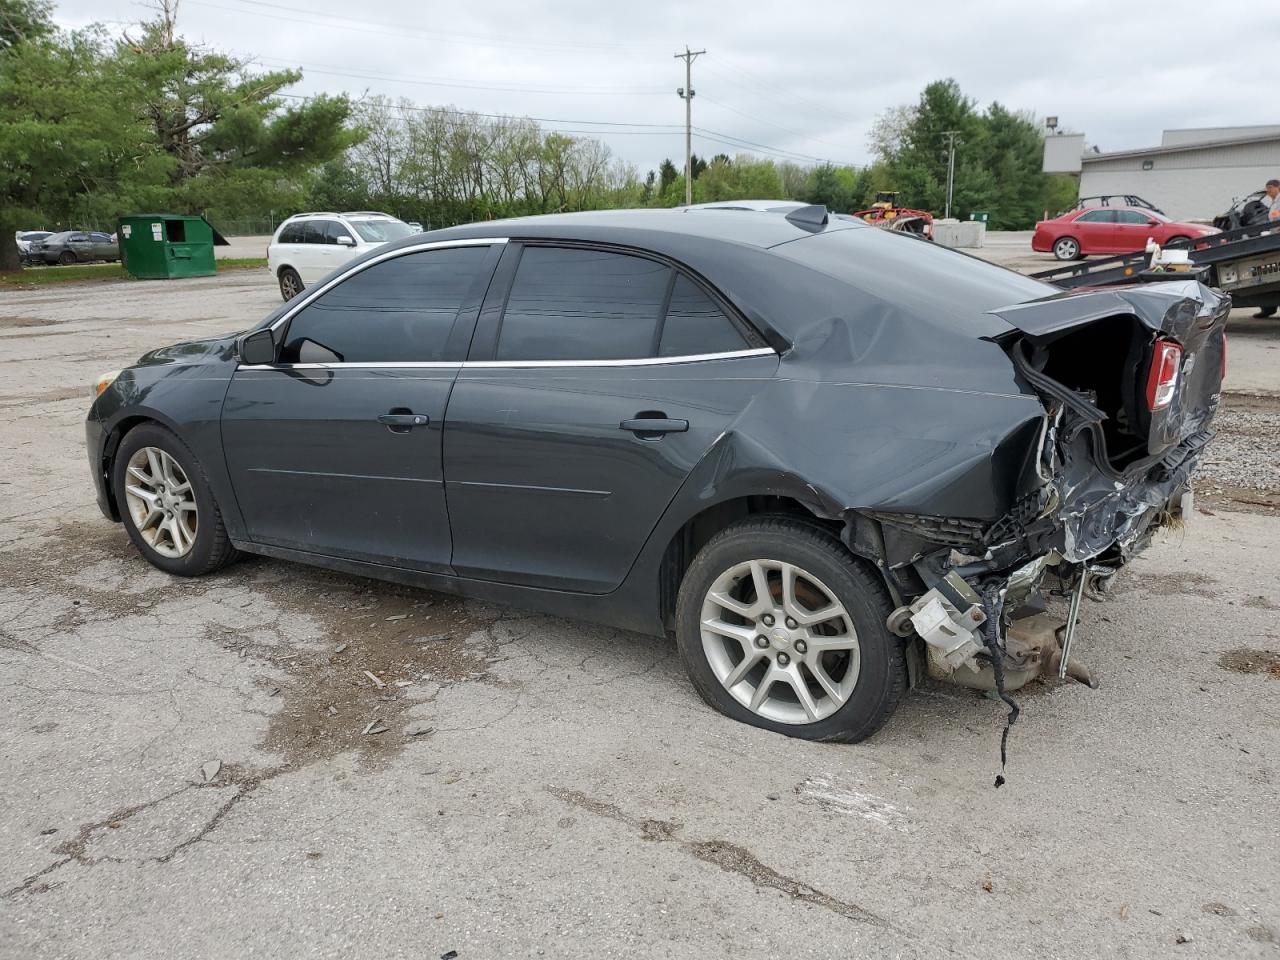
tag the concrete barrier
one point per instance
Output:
(959, 233)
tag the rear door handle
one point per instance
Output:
(654, 425)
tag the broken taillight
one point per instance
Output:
(1162, 381)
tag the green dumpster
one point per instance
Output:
(979, 215)
(161, 246)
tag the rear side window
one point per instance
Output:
(291, 233)
(397, 311)
(570, 304)
(695, 324)
(313, 231)
(1097, 216)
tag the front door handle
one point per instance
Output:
(403, 422)
(651, 428)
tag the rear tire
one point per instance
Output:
(290, 284)
(167, 505)
(1067, 248)
(815, 638)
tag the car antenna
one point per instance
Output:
(813, 216)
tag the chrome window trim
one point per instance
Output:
(378, 365)
(637, 362)
(519, 364)
(315, 292)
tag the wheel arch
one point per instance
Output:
(683, 544)
(114, 434)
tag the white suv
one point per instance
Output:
(309, 246)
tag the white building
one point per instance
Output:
(1193, 175)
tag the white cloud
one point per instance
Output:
(803, 78)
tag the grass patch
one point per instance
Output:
(38, 276)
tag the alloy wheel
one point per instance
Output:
(161, 502)
(1066, 249)
(779, 641)
(290, 285)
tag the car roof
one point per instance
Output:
(764, 206)
(349, 214)
(654, 228)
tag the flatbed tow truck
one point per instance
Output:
(1244, 262)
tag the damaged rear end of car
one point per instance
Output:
(1129, 381)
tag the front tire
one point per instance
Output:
(66, 258)
(779, 626)
(167, 505)
(1067, 248)
(290, 284)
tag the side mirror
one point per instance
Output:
(345, 242)
(1153, 223)
(257, 348)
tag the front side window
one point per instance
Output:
(334, 231)
(381, 231)
(397, 311)
(1133, 217)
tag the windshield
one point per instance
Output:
(379, 231)
(36, 235)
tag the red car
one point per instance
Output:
(1110, 230)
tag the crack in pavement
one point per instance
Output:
(729, 857)
(76, 849)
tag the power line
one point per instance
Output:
(560, 125)
(778, 151)
(794, 133)
(667, 128)
(330, 70)
(400, 29)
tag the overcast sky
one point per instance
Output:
(800, 80)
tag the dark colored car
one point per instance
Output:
(73, 246)
(826, 456)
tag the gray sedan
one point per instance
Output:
(73, 246)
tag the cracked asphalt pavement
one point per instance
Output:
(278, 761)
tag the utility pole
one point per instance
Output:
(951, 167)
(686, 94)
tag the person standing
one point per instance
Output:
(1271, 200)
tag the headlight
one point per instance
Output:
(104, 381)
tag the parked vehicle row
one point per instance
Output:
(69, 246)
(828, 458)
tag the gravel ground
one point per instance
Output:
(185, 770)
(1245, 455)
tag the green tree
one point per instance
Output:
(230, 137)
(667, 174)
(997, 157)
(68, 152)
(24, 20)
(841, 189)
